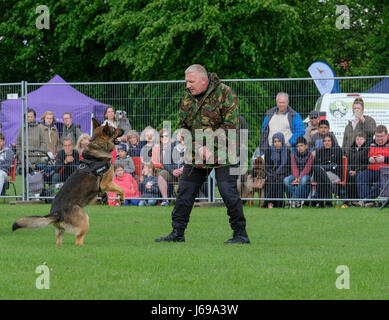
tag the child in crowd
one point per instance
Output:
(298, 184)
(317, 139)
(357, 161)
(128, 183)
(148, 185)
(124, 159)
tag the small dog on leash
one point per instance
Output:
(252, 181)
(122, 121)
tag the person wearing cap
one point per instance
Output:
(124, 159)
(313, 126)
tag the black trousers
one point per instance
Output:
(189, 184)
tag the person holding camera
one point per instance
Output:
(369, 180)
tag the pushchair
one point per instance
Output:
(39, 177)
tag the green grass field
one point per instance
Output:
(294, 255)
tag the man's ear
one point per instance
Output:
(96, 123)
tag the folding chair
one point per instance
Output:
(340, 183)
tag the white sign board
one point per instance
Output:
(12, 96)
(338, 109)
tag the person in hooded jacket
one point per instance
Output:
(277, 168)
(327, 169)
(357, 161)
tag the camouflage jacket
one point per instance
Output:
(216, 112)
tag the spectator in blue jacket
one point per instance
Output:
(281, 118)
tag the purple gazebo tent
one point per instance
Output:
(51, 97)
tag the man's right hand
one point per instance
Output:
(204, 153)
(178, 172)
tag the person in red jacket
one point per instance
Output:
(128, 183)
(378, 158)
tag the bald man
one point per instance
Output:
(209, 106)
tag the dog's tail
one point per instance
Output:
(34, 222)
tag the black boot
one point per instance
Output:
(175, 236)
(239, 237)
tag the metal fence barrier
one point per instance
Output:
(155, 103)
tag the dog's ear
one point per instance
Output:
(106, 129)
(96, 123)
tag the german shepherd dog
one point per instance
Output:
(252, 181)
(94, 174)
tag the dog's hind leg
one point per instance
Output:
(79, 222)
(59, 232)
(84, 227)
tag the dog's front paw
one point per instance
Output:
(122, 201)
(104, 198)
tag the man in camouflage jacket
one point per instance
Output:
(208, 106)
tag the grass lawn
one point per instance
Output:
(294, 255)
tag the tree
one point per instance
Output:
(103, 40)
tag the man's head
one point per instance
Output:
(314, 118)
(196, 79)
(301, 144)
(67, 119)
(282, 101)
(31, 115)
(324, 127)
(381, 135)
(67, 146)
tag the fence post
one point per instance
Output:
(25, 146)
(22, 131)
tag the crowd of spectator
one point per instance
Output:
(301, 161)
(311, 163)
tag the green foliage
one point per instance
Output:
(157, 39)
